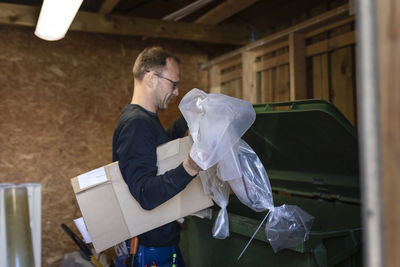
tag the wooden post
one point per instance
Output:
(389, 64)
(215, 79)
(297, 65)
(249, 77)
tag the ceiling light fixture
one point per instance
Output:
(55, 18)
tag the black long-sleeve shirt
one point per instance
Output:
(136, 137)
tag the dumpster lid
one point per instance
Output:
(308, 148)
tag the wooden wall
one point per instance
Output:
(312, 59)
(59, 105)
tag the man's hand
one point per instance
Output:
(191, 167)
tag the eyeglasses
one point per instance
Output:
(174, 84)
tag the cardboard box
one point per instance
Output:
(112, 215)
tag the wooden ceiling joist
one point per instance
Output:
(120, 25)
(107, 6)
(225, 10)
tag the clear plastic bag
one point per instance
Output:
(287, 226)
(216, 123)
(219, 191)
(253, 188)
(228, 167)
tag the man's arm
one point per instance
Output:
(136, 149)
(177, 128)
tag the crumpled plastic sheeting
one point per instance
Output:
(287, 226)
(219, 191)
(216, 123)
(252, 188)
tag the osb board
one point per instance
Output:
(60, 102)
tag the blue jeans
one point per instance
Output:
(159, 256)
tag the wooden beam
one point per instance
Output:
(272, 62)
(330, 26)
(233, 75)
(389, 84)
(107, 6)
(270, 48)
(230, 63)
(223, 11)
(283, 35)
(249, 78)
(120, 25)
(336, 42)
(297, 65)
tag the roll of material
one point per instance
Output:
(18, 230)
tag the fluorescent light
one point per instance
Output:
(55, 18)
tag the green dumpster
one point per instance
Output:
(310, 153)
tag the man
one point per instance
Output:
(138, 133)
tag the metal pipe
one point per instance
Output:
(369, 135)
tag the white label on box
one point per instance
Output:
(80, 224)
(94, 177)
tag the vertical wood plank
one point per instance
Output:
(267, 85)
(297, 63)
(238, 88)
(231, 88)
(282, 89)
(249, 88)
(321, 77)
(389, 57)
(215, 79)
(342, 82)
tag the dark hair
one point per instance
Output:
(151, 58)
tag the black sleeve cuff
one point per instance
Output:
(182, 177)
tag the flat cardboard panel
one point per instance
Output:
(172, 154)
(103, 217)
(112, 215)
(190, 200)
(169, 150)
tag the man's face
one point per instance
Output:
(166, 90)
